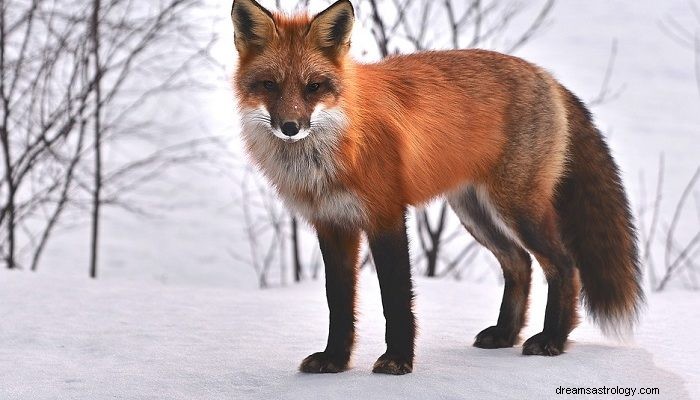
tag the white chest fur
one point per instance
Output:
(308, 166)
(338, 207)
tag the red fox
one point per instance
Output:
(349, 146)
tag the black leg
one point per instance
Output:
(340, 251)
(560, 317)
(516, 274)
(390, 253)
(514, 260)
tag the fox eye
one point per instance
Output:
(313, 87)
(269, 86)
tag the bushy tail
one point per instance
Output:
(597, 226)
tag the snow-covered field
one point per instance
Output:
(78, 339)
(175, 316)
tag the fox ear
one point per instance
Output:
(332, 28)
(253, 25)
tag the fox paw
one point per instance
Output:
(323, 363)
(543, 344)
(494, 337)
(393, 365)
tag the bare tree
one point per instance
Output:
(663, 235)
(97, 145)
(35, 117)
(298, 268)
(265, 220)
(677, 257)
(62, 200)
(73, 77)
(606, 93)
(430, 237)
(412, 25)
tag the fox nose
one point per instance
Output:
(290, 128)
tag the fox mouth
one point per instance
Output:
(303, 134)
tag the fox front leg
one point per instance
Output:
(340, 255)
(390, 252)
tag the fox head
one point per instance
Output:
(289, 73)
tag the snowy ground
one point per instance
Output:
(63, 338)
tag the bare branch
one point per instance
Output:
(534, 27)
(605, 95)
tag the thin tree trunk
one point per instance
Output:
(435, 237)
(295, 248)
(5, 139)
(96, 196)
(379, 30)
(431, 257)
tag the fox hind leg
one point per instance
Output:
(476, 216)
(542, 237)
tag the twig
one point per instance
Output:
(534, 27)
(646, 258)
(604, 94)
(671, 266)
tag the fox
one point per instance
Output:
(350, 146)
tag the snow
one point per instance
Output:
(80, 339)
(175, 316)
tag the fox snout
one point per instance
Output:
(291, 113)
(329, 120)
(290, 125)
(286, 128)
(290, 129)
